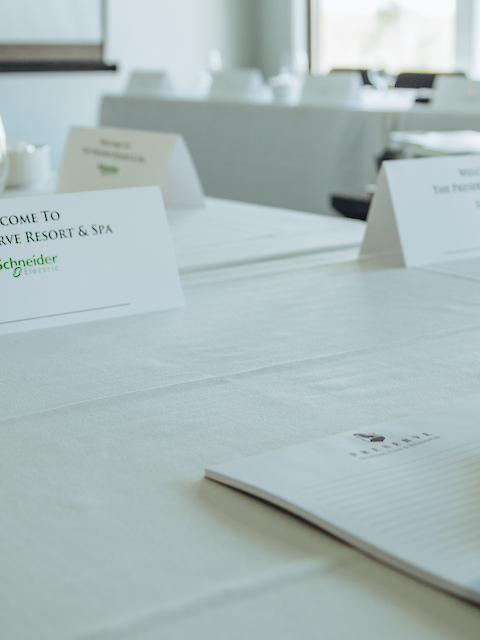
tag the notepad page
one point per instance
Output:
(407, 491)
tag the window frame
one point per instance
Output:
(467, 42)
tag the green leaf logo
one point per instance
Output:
(107, 170)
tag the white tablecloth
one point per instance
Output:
(285, 156)
(228, 233)
(109, 530)
(423, 119)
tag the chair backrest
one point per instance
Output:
(243, 85)
(332, 90)
(416, 80)
(413, 80)
(456, 93)
(363, 72)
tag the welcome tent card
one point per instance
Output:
(405, 492)
(114, 158)
(426, 210)
(84, 256)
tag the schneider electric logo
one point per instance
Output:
(30, 266)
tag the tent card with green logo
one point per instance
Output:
(111, 158)
(85, 256)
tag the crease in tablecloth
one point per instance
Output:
(248, 319)
(453, 271)
(278, 366)
(275, 254)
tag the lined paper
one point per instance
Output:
(407, 491)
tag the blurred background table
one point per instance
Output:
(284, 156)
(295, 157)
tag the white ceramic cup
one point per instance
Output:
(28, 164)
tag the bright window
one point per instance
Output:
(396, 35)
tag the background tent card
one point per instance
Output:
(111, 158)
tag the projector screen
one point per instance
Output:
(52, 32)
(50, 21)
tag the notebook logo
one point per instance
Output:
(369, 437)
(381, 446)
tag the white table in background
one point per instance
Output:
(424, 119)
(284, 156)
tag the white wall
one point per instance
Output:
(177, 34)
(276, 33)
(41, 107)
(282, 27)
(467, 38)
(162, 34)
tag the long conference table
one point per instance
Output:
(109, 529)
(291, 156)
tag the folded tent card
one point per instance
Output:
(243, 85)
(336, 88)
(149, 83)
(112, 158)
(85, 256)
(426, 210)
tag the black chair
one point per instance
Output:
(349, 207)
(362, 72)
(416, 80)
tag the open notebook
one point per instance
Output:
(406, 492)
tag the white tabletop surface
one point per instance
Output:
(226, 233)
(109, 530)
